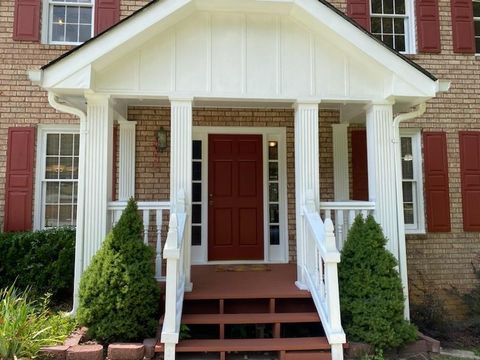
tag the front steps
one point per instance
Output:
(286, 325)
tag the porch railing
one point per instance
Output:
(174, 253)
(153, 217)
(321, 276)
(342, 214)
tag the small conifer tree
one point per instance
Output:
(371, 296)
(119, 296)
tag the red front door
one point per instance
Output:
(235, 197)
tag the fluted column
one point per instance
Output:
(126, 168)
(381, 170)
(181, 167)
(340, 162)
(307, 172)
(97, 173)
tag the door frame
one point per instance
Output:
(272, 253)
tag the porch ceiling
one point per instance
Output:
(249, 52)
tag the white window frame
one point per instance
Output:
(42, 132)
(272, 253)
(419, 207)
(475, 36)
(47, 15)
(410, 30)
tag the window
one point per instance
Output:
(68, 22)
(392, 23)
(412, 181)
(57, 178)
(197, 192)
(476, 20)
(273, 193)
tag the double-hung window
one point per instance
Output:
(476, 20)
(68, 21)
(392, 23)
(57, 177)
(412, 181)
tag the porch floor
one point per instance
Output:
(276, 281)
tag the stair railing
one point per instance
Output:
(321, 275)
(174, 254)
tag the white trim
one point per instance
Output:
(419, 206)
(272, 253)
(42, 131)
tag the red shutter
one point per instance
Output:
(107, 13)
(26, 24)
(436, 181)
(359, 10)
(359, 165)
(470, 173)
(462, 26)
(428, 26)
(19, 179)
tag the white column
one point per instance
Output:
(97, 174)
(307, 172)
(340, 162)
(126, 167)
(381, 170)
(181, 167)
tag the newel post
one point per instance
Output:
(307, 174)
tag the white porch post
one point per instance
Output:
(381, 170)
(126, 167)
(181, 168)
(307, 173)
(340, 162)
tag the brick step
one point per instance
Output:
(253, 345)
(263, 318)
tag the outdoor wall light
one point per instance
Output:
(162, 139)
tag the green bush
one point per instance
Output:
(371, 295)
(119, 296)
(40, 260)
(27, 325)
(472, 301)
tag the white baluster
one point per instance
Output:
(339, 219)
(328, 214)
(146, 223)
(351, 218)
(158, 247)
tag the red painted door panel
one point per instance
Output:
(470, 173)
(19, 179)
(359, 165)
(235, 188)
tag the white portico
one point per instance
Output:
(269, 54)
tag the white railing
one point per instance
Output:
(152, 215)
(342, 214)
(321, 276)
(174, 253)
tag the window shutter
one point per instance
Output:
(428, 26)
(26, 23)
(462, 26)
(359, 10)
(470, 174)
(436, 181)
(19, 179)
(359, 165)
(107, 13)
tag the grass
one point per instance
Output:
(26, 325)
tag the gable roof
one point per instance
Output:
(341, 14)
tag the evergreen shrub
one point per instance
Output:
(41, 261)
(119, 296)
(472, 301)
(371, 295)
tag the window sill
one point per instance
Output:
(415, 232)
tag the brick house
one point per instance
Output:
(208, 113)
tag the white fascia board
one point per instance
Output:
(110, 41)
(366, 44)
(81, 79)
